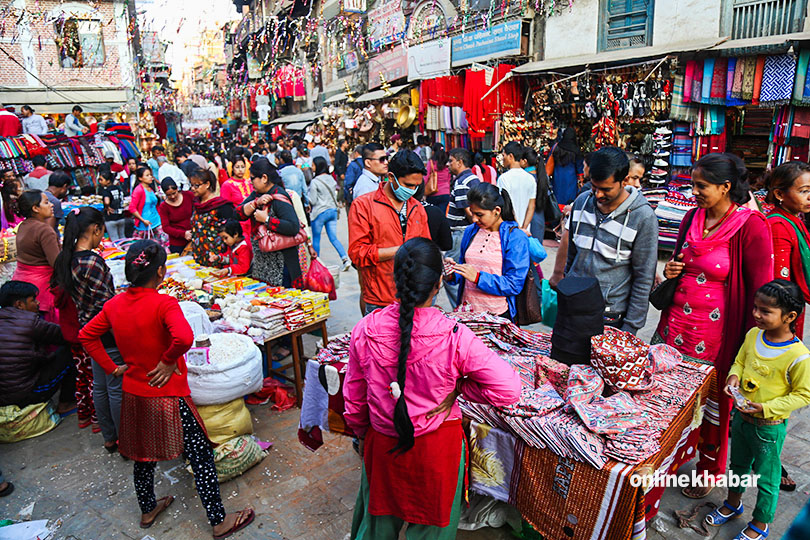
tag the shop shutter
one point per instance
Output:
(627, 23)
(758, 18)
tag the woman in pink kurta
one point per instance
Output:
(726, 255)
(237, 189)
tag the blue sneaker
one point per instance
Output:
(715, 518)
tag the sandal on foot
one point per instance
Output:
(787, 484)
(84, 422)
(243, 519)
(715, 518)
(162, 504)
(112, 449)
(8, 490)
(689, 493)
(761, 535)
(95, 428)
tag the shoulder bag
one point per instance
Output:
(270, 241)
(432, 184)
(661, 296)
(527, 305)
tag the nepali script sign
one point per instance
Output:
(494, 42)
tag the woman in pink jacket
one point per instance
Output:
(407, 364)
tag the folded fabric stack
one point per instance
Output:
(671, 211)
(337, 350)
(654, 195)
(681, 145)
(269, 319)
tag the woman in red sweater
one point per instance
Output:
(158, 419)
(175, 215)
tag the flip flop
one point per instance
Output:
(243, 519)
(787, 483)
(163, 504)
(685, 493)
(68, 413)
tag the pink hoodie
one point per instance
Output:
(442, 351)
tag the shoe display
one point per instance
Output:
(661, 154)
(658, 172)
(663, 131)
(660, 163)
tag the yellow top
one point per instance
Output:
(777, 375)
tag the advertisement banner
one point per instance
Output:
(494, 42)
(429, 60)
(392, 64)
(386, 24)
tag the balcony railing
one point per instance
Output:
(758, 18)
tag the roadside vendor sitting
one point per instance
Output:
(28, 372)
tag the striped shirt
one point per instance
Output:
(456, 215)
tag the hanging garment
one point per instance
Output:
(758, 74)
(739, 71)
(779, 74)
(801, 76)
(687, 81)
(717, 92)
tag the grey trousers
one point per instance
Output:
(116, 229)
(454, 253)
(107, 398)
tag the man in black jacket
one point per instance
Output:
(28, 374)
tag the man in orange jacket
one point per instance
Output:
(383, 220)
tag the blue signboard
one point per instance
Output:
(494, 42)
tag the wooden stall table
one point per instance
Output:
(297, 351)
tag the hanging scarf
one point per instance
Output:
(801, 77)
(779, 73)
(749, 74)
(708, 73)
(758, 79)
(687, 81)
(697, 81)
(739, 71)
(717, 92)
(804, 248)
(679, 110)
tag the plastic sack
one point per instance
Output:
(32, 421)
(226, 421)
(197, 318)
(548, 303)
(319, 279)
(235, 456)
(216, 383)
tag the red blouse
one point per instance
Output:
(149, 327)
(787, 257)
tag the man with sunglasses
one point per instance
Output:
(375, 167)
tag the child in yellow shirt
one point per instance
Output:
(770, 379)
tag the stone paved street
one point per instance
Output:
(297, 494)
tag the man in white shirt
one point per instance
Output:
(320, 151)
(168, 170)
(375, 167)
(520, 185)
(73, 126)
(33, 124)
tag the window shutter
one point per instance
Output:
(627, 24)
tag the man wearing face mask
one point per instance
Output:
(381, 221)
(375, 168)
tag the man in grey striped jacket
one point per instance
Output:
(613, 237)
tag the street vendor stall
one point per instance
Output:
(564, 455)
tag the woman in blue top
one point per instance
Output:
(494, 258)
(566, 167)
(143, 206)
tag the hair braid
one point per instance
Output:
(786, 295)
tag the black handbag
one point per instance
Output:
(552, 212)
(661, 296)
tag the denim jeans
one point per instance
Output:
(328, 219)
(538, 225)
(454, 253)
(107, 398)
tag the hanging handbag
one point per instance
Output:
(270, 241)
(527, 304)
(552, 210)
(661, 296)
(432, 184)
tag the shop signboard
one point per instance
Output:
(429, 60)
(495, 42)
(392, 64)
(386, 24)
(207, 113)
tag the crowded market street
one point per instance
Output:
(404, 269)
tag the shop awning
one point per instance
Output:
(334, 99)
(379, 94)
(294, 118)
(298, 126)
(61, 101)
(762, 42)
(623, 55)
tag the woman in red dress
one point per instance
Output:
(789, 191)
(158, 419)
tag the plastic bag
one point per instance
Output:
(548, 304)
(226, 421)
(319, 279)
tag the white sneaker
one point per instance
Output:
(346, 264)
(661, 154)
(660, 163)
(663, 131)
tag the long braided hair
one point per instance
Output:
(417, 270)
(785, 295)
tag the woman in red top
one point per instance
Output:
(237, 189)
(175, 215)
(158, 419)
(789, 190)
